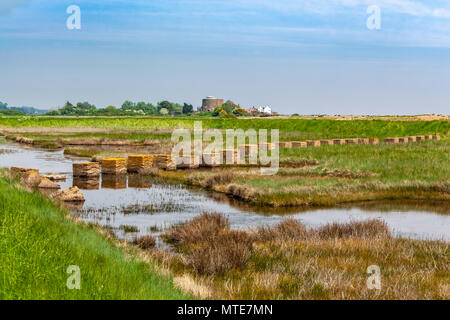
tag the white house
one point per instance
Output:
(265, 110)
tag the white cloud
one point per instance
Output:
(410, 7)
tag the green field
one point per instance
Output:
(38, 243)
(292, 128)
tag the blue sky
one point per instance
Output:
(307, 57)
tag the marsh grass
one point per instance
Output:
(218, 179)
(373, 228)
(288, 229)
(289, 261)
(230, 249)
(211, 248)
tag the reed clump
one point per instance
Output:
(288, 229)
(145, 242)
(210, 247)
(218, 179)
(239, 192)
(229, 250)
(203, 228)
(373, 228)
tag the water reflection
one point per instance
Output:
(115, 182)
(138, 181)
(87, 183)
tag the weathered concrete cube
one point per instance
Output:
(187, 162)
(313, 143)
(339, 141)
(164, 161)
(266, 146)
(299, 144)
(420, 138)
(363, 141)
(285, 144)
(351, 141)
(86, 169)
(210, 159)
(114, 166)
(139, 162)
(229, 156)
(391, 140)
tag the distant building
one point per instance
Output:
(210, 103)
(265, 110)
(252, 111)
(259, 110)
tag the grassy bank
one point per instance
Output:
(289, 261)
(292, 129)
(38, 243)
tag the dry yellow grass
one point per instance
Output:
(289, 261)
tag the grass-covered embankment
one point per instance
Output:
(290, 128)
(38, 242)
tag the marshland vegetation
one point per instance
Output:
(289, 261)
(323, 176)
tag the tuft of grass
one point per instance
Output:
(289, 229)
(218, 179)
(373, 228)
(203, 228)
(128, 229)
(145, 242)
(229, 250)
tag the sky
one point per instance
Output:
(306, 57)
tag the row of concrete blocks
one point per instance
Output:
(117, 166)
(412, 138)
(138, 163)
(318, 143)
(329, 142)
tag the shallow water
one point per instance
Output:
(151, 204)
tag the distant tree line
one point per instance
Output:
(163, 108)
(128, 108)
(18, 111)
